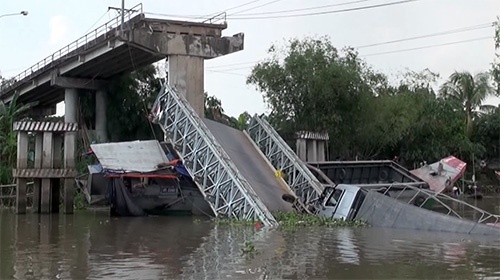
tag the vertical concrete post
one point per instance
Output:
(301, 149)
(100, 115)
(57, 164)
(22, 163)
(37, 183)
(70, 105)
(71, 108)
(47, 163)
(321, 150)
(311, 150)
(187, 76)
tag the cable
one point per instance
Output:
(464, 29)
(232, 8)
(327, 12)
(430, 46)
(225, 71)
(97, 21)
(302, 9)
(256, 7)
(447, 32)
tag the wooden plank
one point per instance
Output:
(22, 162)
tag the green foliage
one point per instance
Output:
(214, 111)
(468, 92)
(129, 99)
(9, 113)
(296, 220)
(310, 85)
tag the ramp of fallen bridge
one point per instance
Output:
(251, 164)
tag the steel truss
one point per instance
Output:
(295, 172)
(226, 191)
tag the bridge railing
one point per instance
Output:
(73, 46)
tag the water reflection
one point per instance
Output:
(92, 246)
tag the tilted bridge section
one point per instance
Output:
(237, 172)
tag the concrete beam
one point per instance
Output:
(183, 27)
(189, 44)
(78, 83)
(66, 67)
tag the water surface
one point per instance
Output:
(91, 245)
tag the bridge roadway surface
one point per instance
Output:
(251, 164)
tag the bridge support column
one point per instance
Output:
(70, 116)
(100, 115)
(70, 105)
(187, 76)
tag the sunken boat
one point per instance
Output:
(140, 178)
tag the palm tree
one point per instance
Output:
(469, 91)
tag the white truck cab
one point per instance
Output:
(341, 201)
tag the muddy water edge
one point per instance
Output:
(91, 245)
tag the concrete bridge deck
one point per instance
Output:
(94, 59)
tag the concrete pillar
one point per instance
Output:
(311, 151)
(186, 75)
(100, 116)
(321, 150)
(70, 115)
(70, 105)
(302, 149)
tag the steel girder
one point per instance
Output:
(300, 179)
(226, 191)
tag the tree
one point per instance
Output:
(495, 69)
(9, 113)
(213, 108)
(310, 85)
(469, 92)
(129, 98)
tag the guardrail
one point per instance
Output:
(73, 46)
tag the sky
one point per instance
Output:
(50, 25)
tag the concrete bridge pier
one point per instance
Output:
(101, 128)
(71, 87)
(186, 45)
(186, 74)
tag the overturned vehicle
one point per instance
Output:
(141, 178)
(384, 194)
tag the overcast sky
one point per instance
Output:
(53, 24)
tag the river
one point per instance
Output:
(91, 245)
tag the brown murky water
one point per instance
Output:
(90, 245)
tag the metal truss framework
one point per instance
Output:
(300, 179)
(226, 191)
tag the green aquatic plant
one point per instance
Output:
(296, 220)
